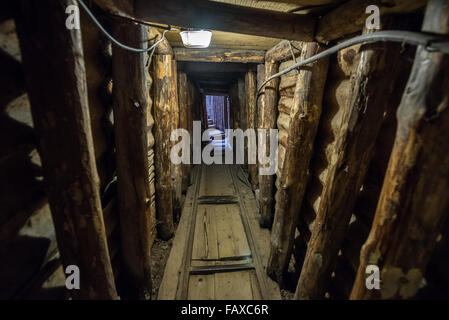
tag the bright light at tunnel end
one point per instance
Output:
(195, 38)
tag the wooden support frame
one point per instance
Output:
(304, 119)
(165, 96)
(219, 55)
(211, 67)
(130, 103)
(350, 17)
(284, 50)
(174, 122)
(164, 46)
(376, 78)
(251, 123)
(185, 122)
(62, 124)
(216, 16)
(413, 202)
(267, 116)
(150, 139)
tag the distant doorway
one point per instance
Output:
(218, 120)
(217, 109)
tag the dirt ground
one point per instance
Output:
(159, 256)
(288, 292)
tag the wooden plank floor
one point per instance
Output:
(219, 251)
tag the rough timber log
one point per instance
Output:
(284, 50)
(130, 104)
(267, 114)
(176, 169)
(219, 55)
(374, 81)
(224, 68)
(97, 73)
(185, 117)
(216, 16)
(150, 137)
(193, 105)
(62, 125)
(250, 102)
(164, 97)
(304, 119)
(413, 202)
(350, 17)
(164, 46)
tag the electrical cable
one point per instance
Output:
(431, 42)
(115, 41)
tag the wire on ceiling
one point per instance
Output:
(115, 41)
(432, 43)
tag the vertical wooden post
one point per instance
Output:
(374, 80)
(250, 103)
(56, 81)
(304, 119)
(164, 95)
(184, 119)
(413, 203)
(130, 104)
(241, 91)
(97, 73)
(227, 112)
(176, 170)
(150, 141)
(204, 111)
(192, 107)
(267, 116)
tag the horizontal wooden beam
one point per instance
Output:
(217, 87)
(216, 92)
(216, 16)
(350, 17)
(284, 50)
(208, 67)
(219, 55)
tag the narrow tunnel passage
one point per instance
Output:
(90, 110)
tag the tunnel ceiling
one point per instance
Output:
(230, 40)
(216, 77)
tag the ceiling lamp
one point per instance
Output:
(196, 38)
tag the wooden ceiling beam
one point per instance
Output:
(350, 17)
(216, 16)
(215, 77)
(207, 67)
(216, 93)
(283, 51)
(219, 55)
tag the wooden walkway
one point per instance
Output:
(219, 251)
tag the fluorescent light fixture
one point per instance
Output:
(194, 38)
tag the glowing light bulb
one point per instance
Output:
(196, 38)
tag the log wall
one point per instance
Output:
(353, 77)
(334, 101)
(27, 233)
(27, 224)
